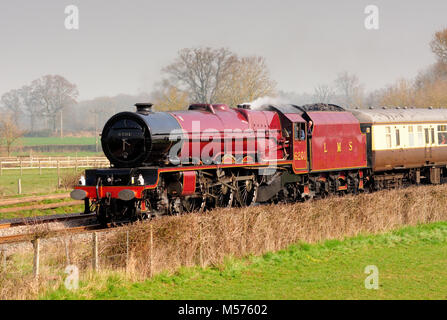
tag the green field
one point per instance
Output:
(39, 141)
(411, 262)
(32, 182)
(59, 154)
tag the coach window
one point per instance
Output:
(410, 136)
(388, 137)
(427, 136)
(442, 134)
(397, 137)
(420, 138)
(432, 131)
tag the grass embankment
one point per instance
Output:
(411, 264)
(208, 240)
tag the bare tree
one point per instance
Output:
(168, 97)
(349, 88)
(323, 93)
(439, 45)
(200, 71)
(53, 93)
(9, 133)
(248, 80)
(11, 101)
(31, 104)
(207, 75)
(402, 93)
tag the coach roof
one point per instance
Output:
(400, 115)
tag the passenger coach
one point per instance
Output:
(405, 143)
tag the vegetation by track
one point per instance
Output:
(410, 262)
(243, 235)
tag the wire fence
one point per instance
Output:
(46, 259)
(52, 163)
(142, 249)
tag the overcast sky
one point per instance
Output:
(121, 46)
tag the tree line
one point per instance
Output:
(207, 75)
(427, 89)
(43, 98)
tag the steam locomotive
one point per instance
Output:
(211, 155)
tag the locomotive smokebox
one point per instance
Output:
(133, 139)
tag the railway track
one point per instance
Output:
(11, 235)
(50, 234)
(29, 235)
(18, 222)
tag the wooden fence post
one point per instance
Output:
(21, 167)
(19, 186)
(36, 246)
(95, 251)
(67, 251)
(127, 250)
(244, 234)
(58, 175)
(3, 260)
(151, 253)
(200, 245)
(40, 168)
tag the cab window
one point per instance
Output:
(299, 131)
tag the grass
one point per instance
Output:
(40, 141)
(32, 182)
(40, 212)
(35, 184)
(410, 261)
(411, 264)
(59, 154)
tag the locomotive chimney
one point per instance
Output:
(144, 107)
(244, 106)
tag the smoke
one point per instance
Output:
(255, 104)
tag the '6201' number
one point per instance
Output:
(299, 155)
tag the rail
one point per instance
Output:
(55, 233)
(11, 223)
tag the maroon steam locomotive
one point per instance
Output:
(212, 155)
